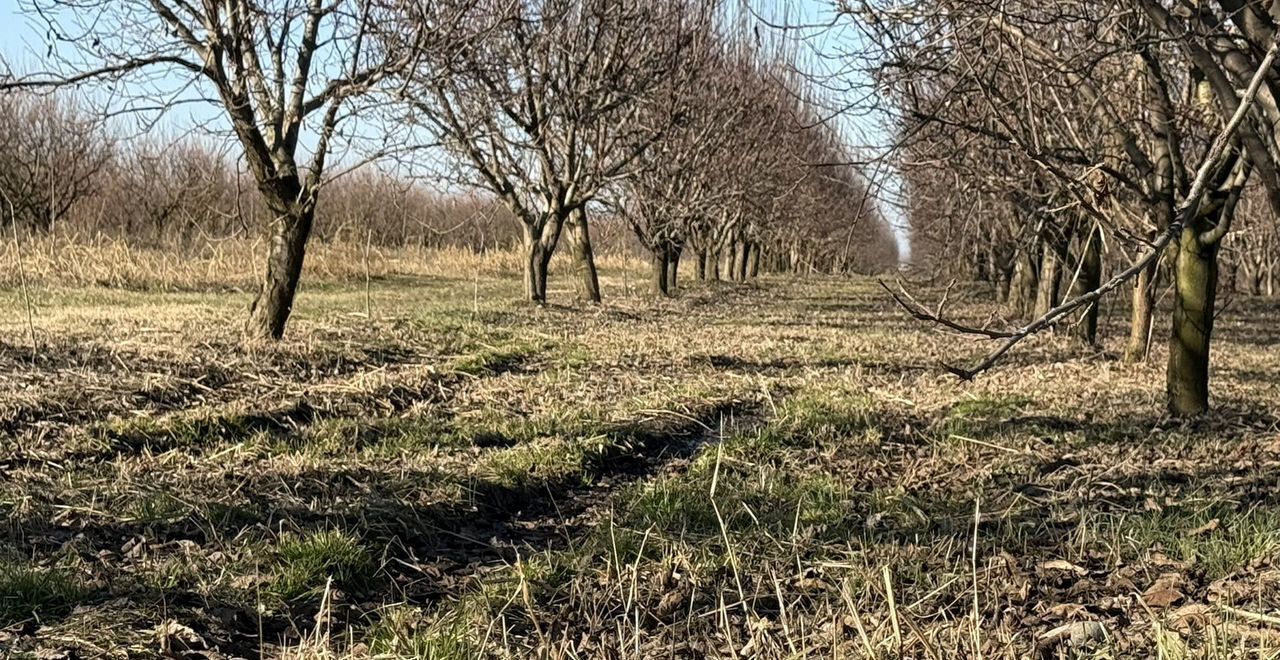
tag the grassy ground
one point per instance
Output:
(751, 472)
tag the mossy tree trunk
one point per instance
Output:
(1195, 272)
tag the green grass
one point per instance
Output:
(305, 563)
(407, 632)
(776, 501)
(392, 436)
(1217, 540)
(494, 359)
(156, 507)
(28, 591)
(815, 415)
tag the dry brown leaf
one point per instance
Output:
(1205, 528)
(669, 604)
(1076, 634)
(1067, 610)
(1192, 616)
(1166, 591)
(1062, 565)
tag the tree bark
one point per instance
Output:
(673, 266)
(1025, 284)
(753, 261)
(733, 259)
(270, 310)
(1003, 263)
(981, 264)
(740, 261)
(660, 262)
(584, 256)
(1004, 285)
(713, 263)
(1144, 300)
(1195, 274)
(1051, 260)
(539, 245)
(701, 258)
(1090, 279)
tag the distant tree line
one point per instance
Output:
(63, 172)
(670, 117)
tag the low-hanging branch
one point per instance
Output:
(921, 313)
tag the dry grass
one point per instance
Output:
(746, 472)
(235, 264)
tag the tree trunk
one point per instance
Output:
(1004, 285)
(740, 261)
(660, 263)
(1025, 283)
(1003, 262)
(713, 263)
(1051, 259)
(701, 258)
(733, 259)
(1090, 279)
(1144, 300)
(1195, 274)
(981, 266)
(673, 266)
(535, 273)
(753, 261)
(539, 245)
(584, 256)
(271, 308)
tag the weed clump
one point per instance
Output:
(35, 592)
(304, 563)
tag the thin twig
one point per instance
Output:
(920, 313)
(1252, 616)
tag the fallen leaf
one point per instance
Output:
(669, 604)
(1062, 565)
(1075, 634)
(1166, 591)
(1067, 610)
(1205, 528)
(1192, 616)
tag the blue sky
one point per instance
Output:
(14, 29)
(23, 47)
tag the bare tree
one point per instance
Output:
(51, 157)
(283, 73)
(544, 106)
